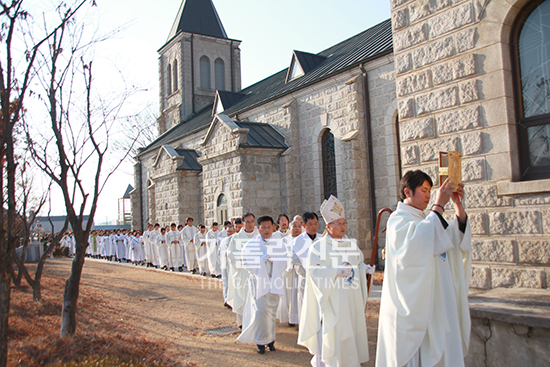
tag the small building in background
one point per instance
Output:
(125, 208)
(57, 221)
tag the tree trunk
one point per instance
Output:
(5, 293)
(70, 296)
(36, 290)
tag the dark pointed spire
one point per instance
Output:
(199, 17)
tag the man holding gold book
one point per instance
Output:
(424, 314)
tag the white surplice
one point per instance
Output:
(187, 235)
(424, 306)
(201, 251)
(300, 246)
(213, 257)
(332, 324)
(265, 262)
(288, 302)
(236, 290)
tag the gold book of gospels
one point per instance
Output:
(450, 166)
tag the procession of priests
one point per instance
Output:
(287, 271)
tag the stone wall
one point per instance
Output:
(147, 195)
(496, 343)
(454, 91)
(337, 104)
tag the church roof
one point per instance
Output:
(189, 159)
(198, 17)
(262, 135)
(365, 46)
(127, 192)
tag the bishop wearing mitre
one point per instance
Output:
(332, 322)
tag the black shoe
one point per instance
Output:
(261, 349)
(203, 274)
(193, 271)
(219, 277)
(212, 275)
(240, 327)
(291, 325)
(180, 269)
(171, 269)
(271, 347)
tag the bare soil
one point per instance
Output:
(153, 316)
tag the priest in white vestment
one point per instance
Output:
(236, 290)
(154, 245)
(162, 246)
(212, 247)
(424, 313)
(300, 247)
(332, 324)
(264, 258)
(224, 266)
(188, 234)
(201, 249)
(173, 239)
(290, 277)
(147, 244)
(282, 225)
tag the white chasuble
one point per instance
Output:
(265, 262)
(332, 323)
(424, 306)
(236, 290)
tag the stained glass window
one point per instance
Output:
(533, 56)
(329, 164)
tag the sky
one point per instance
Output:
(269, 30)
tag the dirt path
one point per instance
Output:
(176, 309)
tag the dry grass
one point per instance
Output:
(101, 339)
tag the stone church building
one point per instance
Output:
(465, 75)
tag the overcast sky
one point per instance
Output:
(269, 31)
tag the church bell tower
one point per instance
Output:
(197, 59)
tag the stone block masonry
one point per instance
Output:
(452, 94)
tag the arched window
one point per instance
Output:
(531, 51)
(221, 209)
(169, 74)
(205, 72)
(329, 164)
(175, 75)
(219, 68)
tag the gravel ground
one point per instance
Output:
(175, 309)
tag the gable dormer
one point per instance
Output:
(224, 100)
(301, 63)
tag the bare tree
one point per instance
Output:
(25, 184)
(74, 151)
(15, 76)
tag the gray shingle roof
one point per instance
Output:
(127, 192)
(199, 17)
(189, 159)
(262, 135)
(370, 44)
